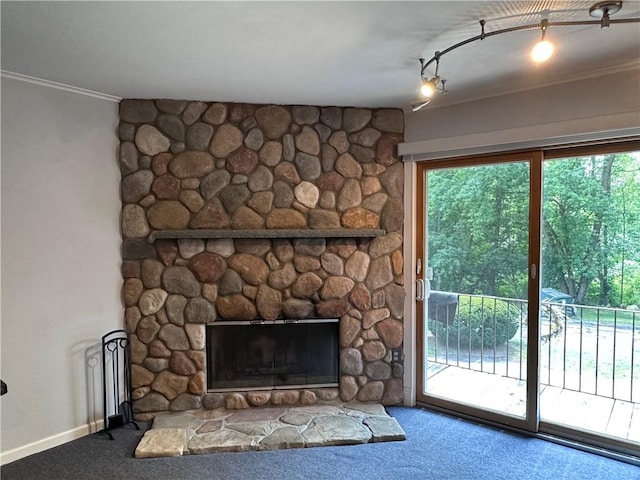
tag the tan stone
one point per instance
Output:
(131, 291)
(210, 292)
(235, 401)
(258, 399)
(339, 141)
(372, 317)
(360, 297)
(140, 376)
(191, 164)
(162, 442)
(226, 140)
(268, 302)
(174, 337)
(285, 397)
(134, 222)
(307, 397)
(307, 141)
(235, 307)
(284, 218)
(216, 114)
(212, 215)
(131, 318)
(336, 287)
(397, 262)
(168, 215)
(307, 194)
(252, 269)
(370, 185)
(147, 329)
(198, 384)
(274, 120)
(371, 392)
(359, 218)
(151, 301)
(158, 349)
(380, 273)
(348, 388)
(391, 332)
(349, 329)
(271, 153)
(357, 266)
(150, 141)
(170, 384)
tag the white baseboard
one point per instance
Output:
(49, 442)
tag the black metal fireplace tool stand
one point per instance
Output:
(116, 365)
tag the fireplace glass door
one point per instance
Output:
(272, 354)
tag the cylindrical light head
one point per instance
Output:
(428, 88)
(542, 51)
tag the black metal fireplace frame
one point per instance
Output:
(264, 322)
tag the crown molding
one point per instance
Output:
(59, 86)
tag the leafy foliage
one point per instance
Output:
(478, 325)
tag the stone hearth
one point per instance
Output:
(221, 430)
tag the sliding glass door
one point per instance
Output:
(479, 273)
(528, 291)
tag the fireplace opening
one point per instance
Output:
(272, 354)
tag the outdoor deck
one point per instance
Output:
(609, 416)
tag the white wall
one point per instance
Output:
(587, 109)
(60, 261)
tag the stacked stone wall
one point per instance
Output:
(196, 165)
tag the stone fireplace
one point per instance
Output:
(257, 214)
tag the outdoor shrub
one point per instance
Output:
(477, 326)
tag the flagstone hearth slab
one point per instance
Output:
(221, 430)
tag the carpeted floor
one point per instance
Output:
(437, 447)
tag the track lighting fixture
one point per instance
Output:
(541, 52)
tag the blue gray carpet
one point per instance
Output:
(437, 447)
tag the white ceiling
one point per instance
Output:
(319, 53)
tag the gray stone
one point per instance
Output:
(336, 430)
(254, 139)
(389, 120)
(137, 249)
(212, 401)
(362, 154)
(198, 136)
(309, 246)
(199, 310)
(221, 246)
(296, 308)
(395, 295)
(269, 302)
(214, 183)
(282, 438)
(193, 111)
(147, 329)
(153, 402)
(126, 132)
(174, 337)
(394, 393)
(150, 141)
(355, 119)
(367, 137)
(392, 216)
(288, 148)
(180, 280)
(332, 263)
(230, 283)
(138, 111)
(128, 158)
(332, 117)
(372, 351)
(261, 179)
(329, 156)
(136, 186)
(307, 141)
(233, 196)
(174, 107)
(378, 370)
(375, 202)
(308, 166)
(323, 219)
(172, 126)
(134, 222)
(271, 153)
(348, 388)
(274, 120)
(371, 392)
(190, 247)
(385, 429)
(324, 132)
(174, 306)
(223, 440)
(392, 180)
(350, 361)
(357, 266)
(350, 196)
(185, 421)
(380, 273)
(185, 401)
(339, 141)
(283, 195)
(385, 245)
(305, 115)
